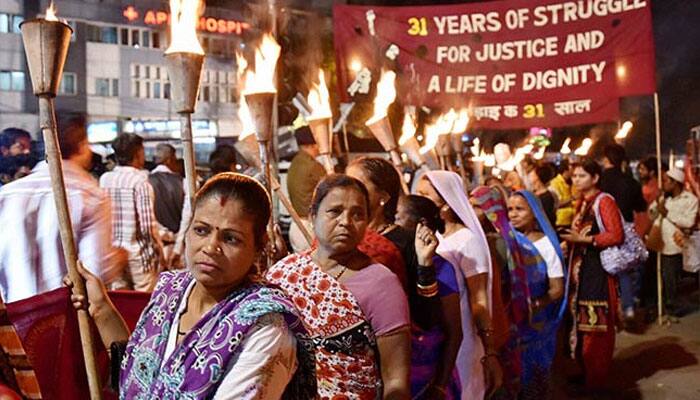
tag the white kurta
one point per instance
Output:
(264, 365)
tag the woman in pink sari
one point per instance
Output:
(464, 245)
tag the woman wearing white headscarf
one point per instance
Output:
(464, 245)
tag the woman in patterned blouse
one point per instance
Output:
(353, 308)
(213, 330)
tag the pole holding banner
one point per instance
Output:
(659, 280)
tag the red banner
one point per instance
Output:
(515, 64)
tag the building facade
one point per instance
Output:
(115, 73)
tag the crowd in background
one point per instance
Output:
(457, 290)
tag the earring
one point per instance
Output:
(381, 203)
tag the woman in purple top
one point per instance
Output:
(214, 330)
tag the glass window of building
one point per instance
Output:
(166, 91)
(67, 84)
(135, 37)
(4, 23)
(115, 87)
(147, 90)
(146, 38)
(5, 81)
(102, 87)
(156, 90)
(124, 33)
(156, 40)
(205, 93)
(135, 70)
(17, 81)
(16, 20)
(136, 89)
(109, 35)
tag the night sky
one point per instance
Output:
(677, 40)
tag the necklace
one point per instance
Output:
(342, 271)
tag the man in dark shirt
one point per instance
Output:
(628, 196)
(303, 176)
(168, 188)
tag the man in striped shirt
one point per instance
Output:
(134, 227)
(31, 256)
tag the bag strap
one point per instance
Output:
(596, 210)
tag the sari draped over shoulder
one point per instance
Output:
(344, 344)
(466, 249)
(539, 338)
(196, 367)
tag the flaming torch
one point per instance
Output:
(625, 129)
(407, 141)
(46, 42)
(443, 147)
(320, 120)
(565, 149)
(246, 145)
(259, 92)
(184, 59)
(458, 128)
(584, 147)
(379, 122)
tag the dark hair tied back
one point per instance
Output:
(383, 175)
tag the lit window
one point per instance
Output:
(5, 80)
(16, 20)
(4, 23)
(17, 81)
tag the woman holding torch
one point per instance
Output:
(213, 330)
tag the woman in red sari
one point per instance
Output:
(593, 294)
(354, 309)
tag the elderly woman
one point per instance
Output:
(354, 309)
(212, 330)
(464, 245)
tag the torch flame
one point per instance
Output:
(447, 121)
(261, 78)
(318, 99)
(624, 130)
(183, 26)
(247, 124)
(565, 149)
(584, 148)
(408, 129)
(51, 12)
(476, 147)
(461, 122)
(386, 94)
(431, 138)
(540, 153)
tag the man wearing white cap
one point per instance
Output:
(677, 212)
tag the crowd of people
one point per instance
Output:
(456, 291)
